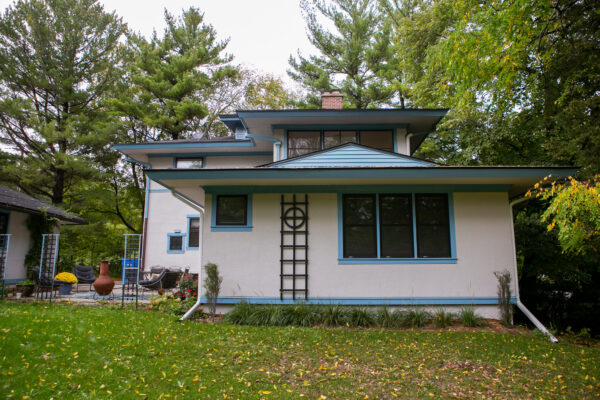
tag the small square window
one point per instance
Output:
(189, 163)
(175, 243)
(232, 210)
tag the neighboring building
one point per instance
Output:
(15, 207)
(328, 206)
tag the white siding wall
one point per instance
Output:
(167, 214)
(249, 261)
(19, 246)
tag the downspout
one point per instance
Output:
(270, 139)
(521, 306)
(146, 207)
(200, 209)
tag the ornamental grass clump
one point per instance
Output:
(333, 315)
(66, 277)
(469, 318)
(416, 318)
(442, 318)
(360, 317)
(389, 319)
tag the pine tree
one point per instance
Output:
(354, 58)
(173, 75)
(57, 61)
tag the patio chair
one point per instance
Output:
(46, 283)
(84, 275)
(154, 283)
(171, 278)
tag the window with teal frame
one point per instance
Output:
(396, 228)
(231, 212)
(175, 243)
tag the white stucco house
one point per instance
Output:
(15, 238)
(329, 206)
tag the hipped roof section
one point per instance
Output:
(13, 200)
(514, 180)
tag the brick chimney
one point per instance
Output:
(331, 99)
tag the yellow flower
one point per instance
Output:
(66, 277)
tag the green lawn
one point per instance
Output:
(68, 352)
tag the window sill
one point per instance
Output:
(231, 228)
(175, 251)
(397, 260)
(192, 248)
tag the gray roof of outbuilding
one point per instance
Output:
(13, 200)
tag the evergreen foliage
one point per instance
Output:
(352, 58)
(57, 62)
(172, 75)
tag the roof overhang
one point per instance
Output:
(64, 219)
(514, 180)
(144, 151)
(264, 121)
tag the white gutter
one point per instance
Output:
(521, 306)
(270, 139)
(198, 207)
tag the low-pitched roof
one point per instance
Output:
(13, 200)
(350, 155)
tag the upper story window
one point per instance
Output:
(304, 142)
(189, 163)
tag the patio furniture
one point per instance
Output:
(85, 275)
(46, 283)
(171, 278)
(153, 283)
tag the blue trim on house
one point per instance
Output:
(13, 281)
(379, 260)
(170, 145)
(214, 154)
(364, 301)
(183, 238)
(451, 226)
(147, 197)
(326, 127)
(363, 261)
(336, 127)
(187, 232)
(357, 189)
(363, 173)
(160, 191)
(338, 113)
(230, 228)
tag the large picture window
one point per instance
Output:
(396, 226)
(232, 210)
(305, 142)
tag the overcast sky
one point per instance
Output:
(263, 33)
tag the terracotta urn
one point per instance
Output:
(104, 284)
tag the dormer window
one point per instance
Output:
(304, 142)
